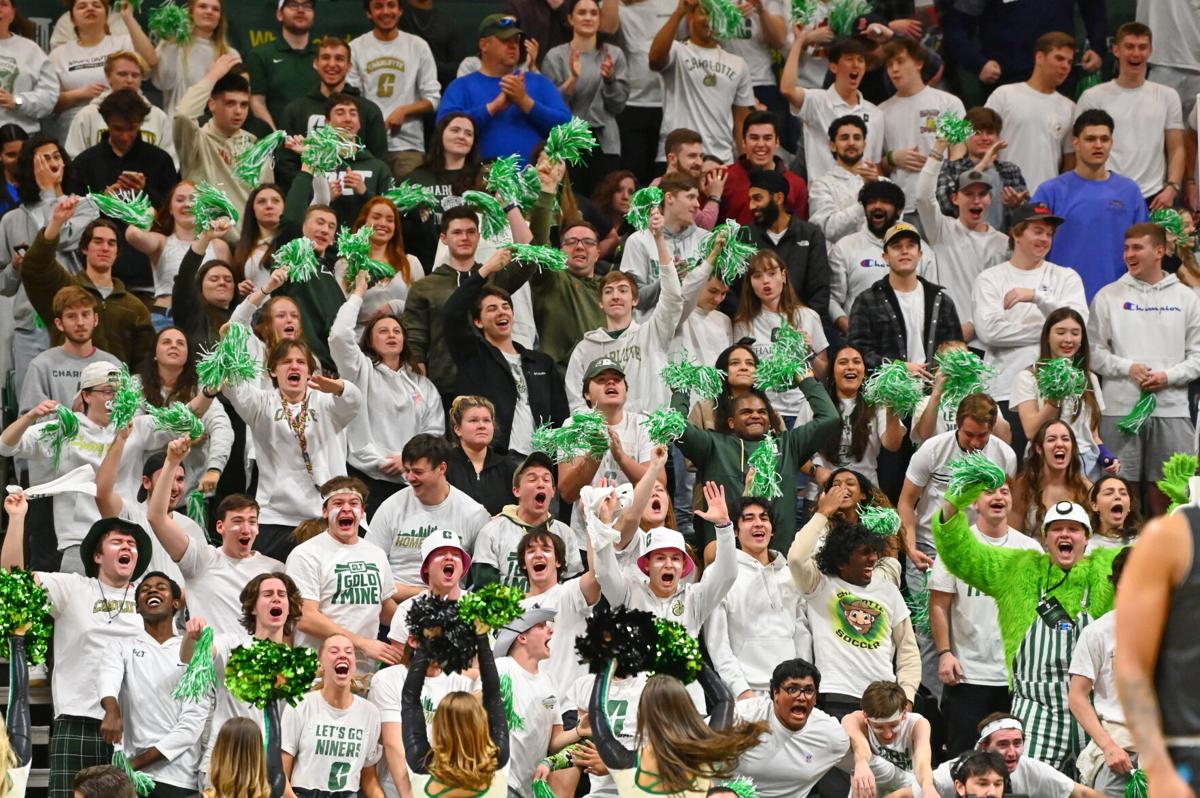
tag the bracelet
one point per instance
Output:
(511, 207)
(711, 198)
(209, 395)
(891, 161)
(944, 651)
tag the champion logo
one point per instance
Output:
(1151, 308)
(871, 263)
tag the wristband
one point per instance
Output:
(891, 161)
(944, 651)
(511, 207)
(209, 395)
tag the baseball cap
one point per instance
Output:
(95, 375)
(661, 538)
(898, 230)
(1040, 212)
(1067, 511)
(971, 178)
(502, 26)
(282, 3)
(598, 367)
(508, 634)
(535, 459)
(442, 539)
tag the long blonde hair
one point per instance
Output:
(462, 754)
(8, 761)
(238, 768)
(685, 747)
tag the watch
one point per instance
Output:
(1174, 185)
(18, 101)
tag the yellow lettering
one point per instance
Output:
(386, 85)
(258, 37)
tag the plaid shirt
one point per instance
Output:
(947, 184)
(878, 331)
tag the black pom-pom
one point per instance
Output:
(621, 634)
(435, 623)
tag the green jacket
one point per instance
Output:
(423, 323)
(348, 205)
(1017, 578)
(723, 458)
(564, 306)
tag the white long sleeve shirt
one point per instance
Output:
(395, 73)
(287, 490)
(1157, 325)
(27, 74)
(856, 263)
(1011, 337)
(833, 204)
(760, 623)
(141, 674)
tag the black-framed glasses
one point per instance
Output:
(795, 690)
(574, 242)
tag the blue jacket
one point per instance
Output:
(511, 130)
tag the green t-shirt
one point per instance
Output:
(282, 74)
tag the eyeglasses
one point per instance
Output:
(574, 242)
(298, 5)
(795, 690)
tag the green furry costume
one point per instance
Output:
(1037, 654)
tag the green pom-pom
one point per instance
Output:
(495, 605)
(177, 419)
(1136, 786)
(736, 249)
(918, 607)
(408, 197)
(211, 203)
(355, 247)
(58, 433)
(25, 609)
(742, 787)
(326, 147)
(584, 433)
(531, 187)
(954, 129)
(1171, 221)
(128, 399)
(683, 374)
(1177, 472)
(676, 653)
(803, 12)
(197, 508)
(300, 259)
(136, 5)
(545, 258)
(965, 375)
(515, 721)
(974, 473)
(570, 141)
(665, 426)
(789, 356)
(1059, 379)
(506, 180)
(493, 221)
(143, 785)
(268, 671)
(725, 19)
(250, 162)
(641, 204)
(170, 23)
(893, 386)
(765, 462)
(883, 521)
(1146, 404)
(544, 440)
(542, 789)
(843, 14)
(229, 361)
(131, 207)
(201, 675)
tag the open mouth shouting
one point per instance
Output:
(541, 499)
(276, 613)
(998, 505)
(342, 667)
(294, 379)
(974, 213)
(1059, 455)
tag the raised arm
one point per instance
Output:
(719, 577)
(170, 534)
(493, 700)
(803, 566)
(614, 755)
(108, 501)
(660, 46)
(412, 715)
(982, 566)
(789, 85)
(12, 555)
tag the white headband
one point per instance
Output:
(79, 480)
(893, 718)
(339, 491)
(1000, 725)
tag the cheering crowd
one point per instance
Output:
(767, 284)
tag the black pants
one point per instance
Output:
(639, 140)
(963, 706)
(836, 783)
(1019, 441)
(275, 540)
(171, 791)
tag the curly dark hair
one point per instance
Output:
(249, 598)
(842, 542)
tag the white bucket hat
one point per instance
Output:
(442, 539)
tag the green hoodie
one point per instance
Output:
(564, 306)
(723, 457)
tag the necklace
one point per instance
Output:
(298, 423)
(112, 616)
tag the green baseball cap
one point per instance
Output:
(502, 26)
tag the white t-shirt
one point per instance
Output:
(912, 308)
(215, 582)
(1037, 128)
(1093, 659)
(867, 465)
(899, 751)
(331, 746)
(764, 328)
(928, 470)
(520, 438)
(1025, 390)
(1176, 29)
(623, 698)
(786, 763)
(636, 443)
(570, 621)
(402, 523)
(78, 66)
(1031, 778)
(497, 546)
(640, 22)
(135, 513)
(701, 86)
(974, 621)
(1143, 116)
(350, 582)
(88, 617)
(821, 107)
(395, 73)
(749, 44)
(912, 122)
(536, 703)
(852, 632)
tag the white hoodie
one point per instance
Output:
(761, 623)
(1158, 325)
(641, 350)
(856, 263)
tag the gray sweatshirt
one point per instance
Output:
(54, 374)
